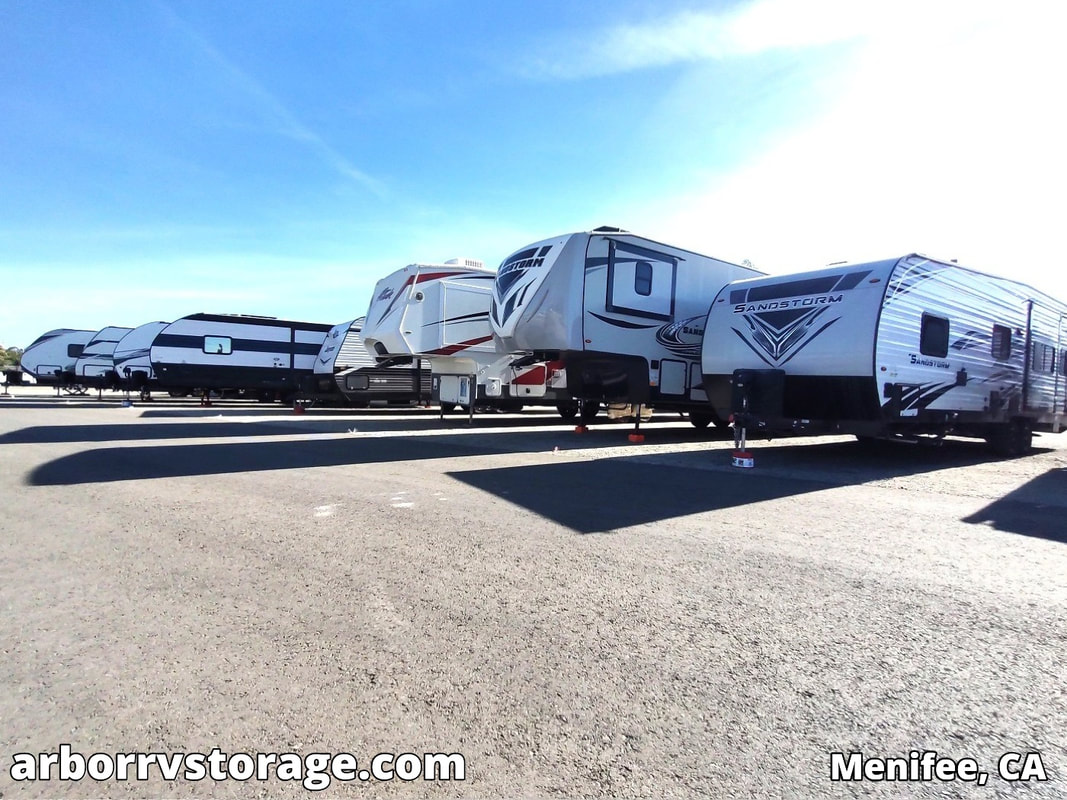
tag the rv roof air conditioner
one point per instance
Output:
(466, 262)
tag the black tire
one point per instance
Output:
(1016, 438)
(178, 392)
(700, 419)
(588, 410)
(447, 408)
(568, 410)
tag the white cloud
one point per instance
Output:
(948, 141)
(750, 29)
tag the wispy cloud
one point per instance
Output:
(282, 118)
(755, 27)
(948, 146)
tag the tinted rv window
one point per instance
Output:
(643, 278)
(933, 340)
(74, 350)
(1044, 358)
(1001, 348)
(219, 345)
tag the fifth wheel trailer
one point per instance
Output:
(255, 355)
(440, 312)
(902, 348)
(625, 314)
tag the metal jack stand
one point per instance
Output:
(742, 458)
(637, 437)
(472, 394)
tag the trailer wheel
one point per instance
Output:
(448, 408)
(568, 409)
(589, 409)
(1013, 439)
(700, 419)
(178, 392)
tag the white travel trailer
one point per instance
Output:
(625, 315)
(50, 358)
(257, 355)
(133, 363)
(95, 366)
(902, 348)
(346, 373)
(440, 312)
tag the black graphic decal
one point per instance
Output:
(671, 336)
(618, 323)
(783, 334)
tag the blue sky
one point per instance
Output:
(163, 157)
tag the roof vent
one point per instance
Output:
(608, 229)
(466, 262)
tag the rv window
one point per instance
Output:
(1043, 358)
(933, 340)
(218, 345)
(1001, 349)
(74, 350)
(643, 278)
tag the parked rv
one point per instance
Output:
(132, 356)
(95, 367)
(440, 312)
(50, 358)
(260, 356)
(904, 348)
(347, 374)
(625, 315)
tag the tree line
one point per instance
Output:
(9, 357)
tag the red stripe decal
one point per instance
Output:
(435, 276)
(452, 349)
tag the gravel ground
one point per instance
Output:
(605, 619)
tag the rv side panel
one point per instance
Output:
(132, 355)
(212, 351)
(52, 355)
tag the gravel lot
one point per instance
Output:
(607, 619)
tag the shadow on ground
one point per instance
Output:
(141, 462)
(611, 493)
(218, 426)
(1037, 508)
(588, 496)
